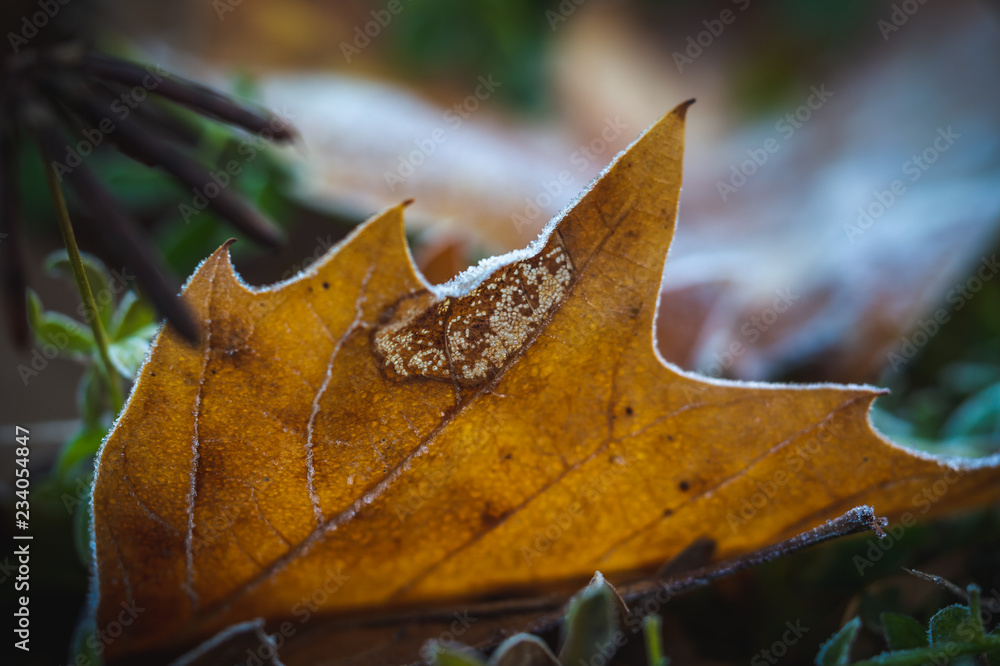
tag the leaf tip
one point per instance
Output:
(836, 651)
(681, 109)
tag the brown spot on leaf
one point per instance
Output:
(469, 338)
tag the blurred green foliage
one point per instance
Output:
(784, 44)
(505, 38)
(946, 400)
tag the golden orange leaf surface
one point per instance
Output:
(358, 431)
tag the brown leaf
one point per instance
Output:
(354, 440)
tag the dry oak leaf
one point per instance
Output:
(400, 444)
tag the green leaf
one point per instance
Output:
(590, 626)
(131, 316)
(837, 650)
(83, 648)
(902, 632)
(959, 653)
(83, 445)
(132, 327)
(81, 528)
(128, 354)
(140, 190)
(183, 246)
(978, 415)
(35, 311)
(956, 636)
(523, 650)
(438, 653)
(57, 264)
(964, 377)
(53, 329)
(951, 624)
(90, 396)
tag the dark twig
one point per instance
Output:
(154, 113)
(122, 241)
(188, 93)
(149, 149)
(63, 86)
(549, 608)
(858, 519)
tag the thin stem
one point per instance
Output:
(938, 580)
(83, 285)
(652, 627)
(976, 611)
(858, 519)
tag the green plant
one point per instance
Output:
(956, 634)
